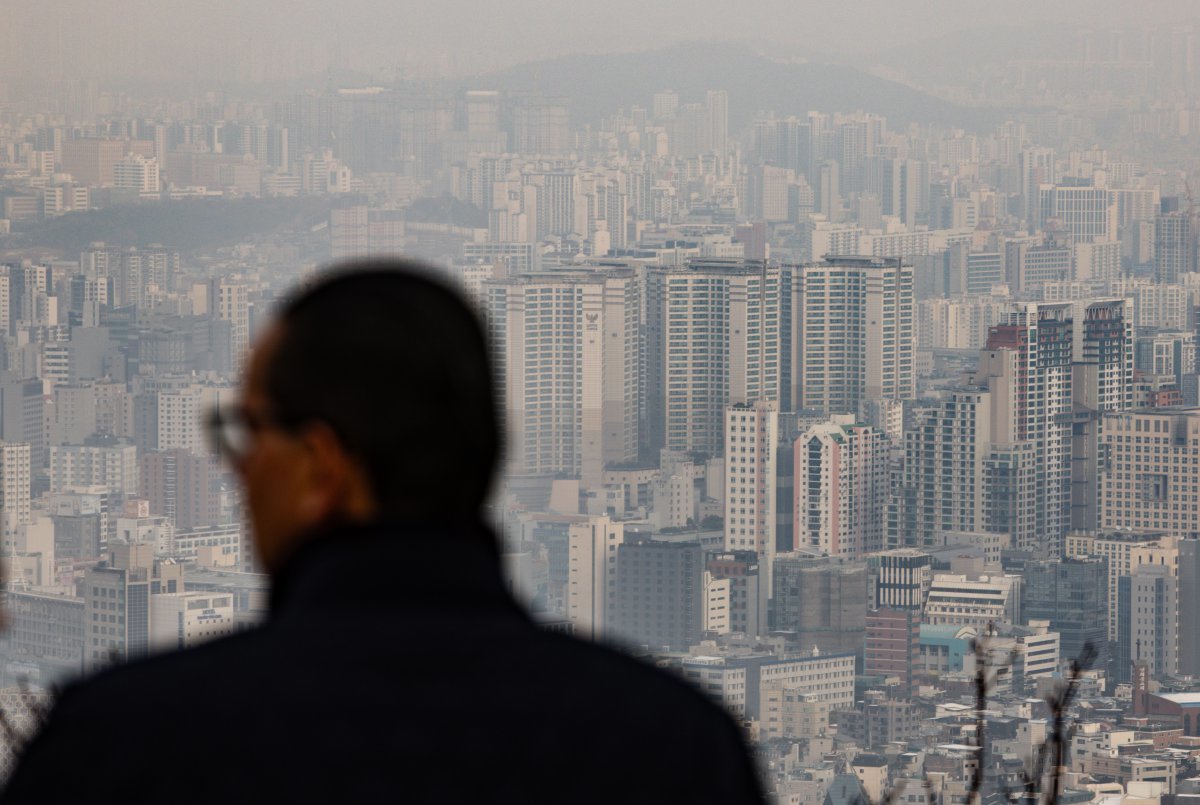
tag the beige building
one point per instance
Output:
(1150, 481)
(592, 573)
(962, 599)
(1125, 552)
(183, 620)
(751, 436)
(15, 511)
(787, 696)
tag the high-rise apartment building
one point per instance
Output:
(841, 488)
(855, 323)
(1083, 212)
(229, 300)
(717, 107)
(181, 486)
(751, 436)
(714, 337)
(1027, 366)
(1102, 380)
(1038, 168)
(114, 466)
(566, 354)
(541, 126)
(179, 419)
(941, 488)
(1017, 452)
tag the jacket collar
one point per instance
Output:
(405, 563)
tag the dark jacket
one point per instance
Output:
(394, 667)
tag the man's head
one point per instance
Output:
(369, 399)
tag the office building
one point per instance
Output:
(899, 579)
(743, 683)
(1124, 552)
(745, 580)
(981, 601)
(47, 630)
(184, 620)
(891, 644)
(659, 599)
(1148, 622)
(1150, 479)
(820, 601)
(1174, 246)
(1070, 593)
(116, 615)
(592, 574)
(1189, 605)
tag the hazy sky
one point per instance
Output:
(273, 36)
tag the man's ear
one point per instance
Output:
(336, 480)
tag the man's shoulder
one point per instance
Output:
(174, 674)
(609, 675)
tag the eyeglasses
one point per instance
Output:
(231, 432)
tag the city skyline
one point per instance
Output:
(833, 381)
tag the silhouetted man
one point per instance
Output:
(393, 666)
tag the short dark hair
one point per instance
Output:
(396, 363)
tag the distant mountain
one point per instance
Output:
(598, 85)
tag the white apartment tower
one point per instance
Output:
(751, 436)
(566, 352)
(714, 336)
(855, 323)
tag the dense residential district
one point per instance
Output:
(882, 431)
